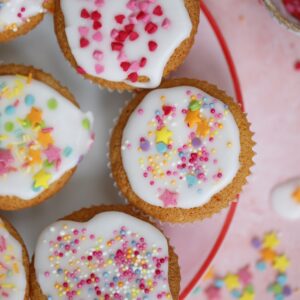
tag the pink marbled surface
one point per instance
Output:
(264, 54)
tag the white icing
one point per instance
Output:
(104, 227)
(68, 135)
(168, 39)
(17, 12)
(283, 201)
(12, 272)
(136, 162)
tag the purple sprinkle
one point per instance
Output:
(256, 243)
(144, 144)
(196, 142)
(287, 291)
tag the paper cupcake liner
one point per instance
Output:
(278, 12)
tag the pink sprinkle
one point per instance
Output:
(140, 111)
(97, 36)
(99, 68)
(166, 23)
(135, 66)
(83, 30)
(99, 2)
(98, 55)
(114, 33)
(144, 5)
(131, 5)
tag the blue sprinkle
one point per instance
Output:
(105, 274)
(282, 279)
(219, 283)
(36, 189)
(59, 271)
(29, 100)
(261, 266)
(205, 98)
(157, 112)
(10, 110)
(279, 297)
(161, 147)
(211, 105)
(49, 297)
(236, 293)
(191, 180)
(67, 151)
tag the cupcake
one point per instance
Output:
(285, 199)
(18, 17)
(182, 152)
(39, 146)
(14, 264)
(126, 44)
(104, 252)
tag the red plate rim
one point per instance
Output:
(231, 212)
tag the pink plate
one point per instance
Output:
(196, 244)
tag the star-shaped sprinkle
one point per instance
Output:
(268, 255)
(42, 179)
(213, 293)
(210, 274)
(169, 198)
(45, 139)
(247, 296)
(232, 281)
(296, 195)
(163, 135)
(194, 118)
(6, 159)
(34, 157)
(271, 240)
(245, 275)
(35, 116)
(281, 263)
(53, 154)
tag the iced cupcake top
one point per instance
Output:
(112, 256)
(125, 40)
(42, 136)
(180, 147)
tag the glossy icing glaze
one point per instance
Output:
(286, 199)
(124, 40)
(42, 136)
(180, 147)
(14, 13)
(112, 256)
(12, 272)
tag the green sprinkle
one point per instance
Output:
(47, 164)
(9, 126)
(86, 123)
(52, 104)
(67, 151)
(194, 105)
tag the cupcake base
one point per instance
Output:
(220, 200)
